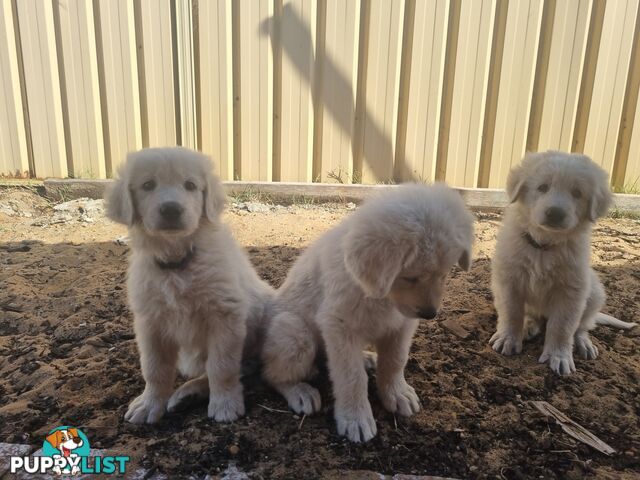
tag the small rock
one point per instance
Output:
(257, 208)
(124, 240)
(234, 449)
(232, 473)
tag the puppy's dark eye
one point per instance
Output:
(190, 186)
(576, 193)
(544, 188)
(148, 186)
(411, 280)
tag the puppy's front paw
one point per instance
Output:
(506, 343)
(303, 398)
(357, 425)
(146, 409)
(585, 347)
(560, 361)
(227, 406)
(399, 397)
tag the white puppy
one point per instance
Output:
(541, 271)
(193, 293)
(366, 282)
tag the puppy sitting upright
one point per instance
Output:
(540, 271)
(193, 293)
(366, 282)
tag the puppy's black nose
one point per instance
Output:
(171, 210)
(427, 313)
(77, 440)
(555, 215)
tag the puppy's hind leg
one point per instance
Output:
(532, 326)
(194, 388)
(288, 357)
(370, 360)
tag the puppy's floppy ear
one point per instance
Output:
(516, 185)
(55, 438)
(214, 196)
(601, 197)
(374, 259)
(118, 198)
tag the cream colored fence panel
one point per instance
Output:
(14, 159)
(184, 68)
(627, 172)
(42, 83)
(158, 108)
(516, 88)
(216, 84)
(256, 90)
(310, 90)
(632, 172)
(298, 41)
(610, 80)
(85, 147)
(121, 100)
(469, 91)
(425, 89)
(337, 97)
(566, 60)
(382, 89)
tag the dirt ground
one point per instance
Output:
(68, 357)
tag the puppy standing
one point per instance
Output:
(541, 266)
(193, 293)
(366, 282)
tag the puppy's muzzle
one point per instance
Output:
(171, 213)
(554, 217)
(427, 313)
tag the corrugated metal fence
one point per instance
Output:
(328, 90)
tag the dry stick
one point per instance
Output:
(275, 410)
(572, 428)
(302, 421)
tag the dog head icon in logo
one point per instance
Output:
(66, 445)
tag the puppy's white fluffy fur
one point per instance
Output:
(540, 271)
(198, 318)
(365, 283)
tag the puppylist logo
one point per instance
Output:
(66, 451)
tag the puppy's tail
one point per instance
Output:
(604, 319)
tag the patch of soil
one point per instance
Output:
(68, 356)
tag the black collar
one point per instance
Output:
(527, 236)
(180, 264)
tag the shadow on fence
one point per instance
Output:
(356, 118)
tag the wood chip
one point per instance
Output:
(455, 328)
(572, 428)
